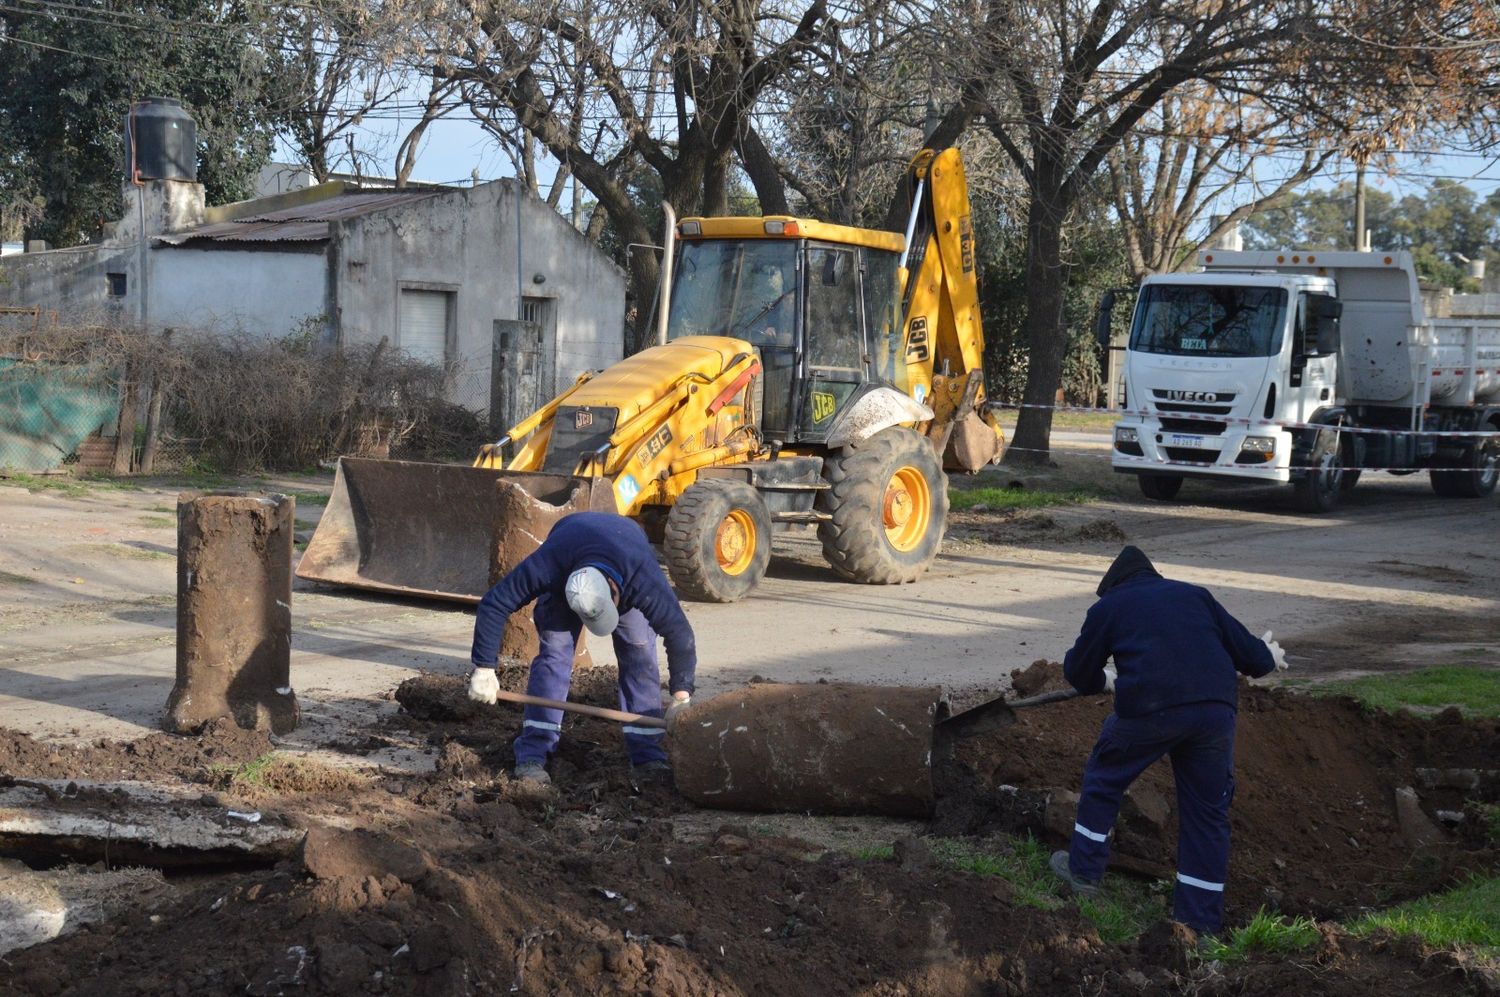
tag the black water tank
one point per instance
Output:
(161, 141)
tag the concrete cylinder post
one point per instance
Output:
(234, 612)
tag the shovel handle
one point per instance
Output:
(601, 712)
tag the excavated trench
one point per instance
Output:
(464, 882)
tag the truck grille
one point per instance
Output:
(577, 432)
(1200, 455)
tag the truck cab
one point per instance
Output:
(1306, 368)
(1211, 358)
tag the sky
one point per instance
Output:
(456, 146)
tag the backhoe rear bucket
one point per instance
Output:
(425, 529)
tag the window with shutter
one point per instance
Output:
(424, 321)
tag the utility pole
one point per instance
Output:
(1359, 203)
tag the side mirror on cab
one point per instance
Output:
(1102, 325)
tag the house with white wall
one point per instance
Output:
(488, 280)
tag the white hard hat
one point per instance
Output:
(589, 596)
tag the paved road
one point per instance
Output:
(1396, 577)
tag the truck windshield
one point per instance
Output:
(1199, 320)
(743, 288)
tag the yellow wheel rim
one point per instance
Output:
(906, 511)
(734, 542)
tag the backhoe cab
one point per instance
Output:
(807, 374)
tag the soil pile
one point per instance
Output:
(1318, 827)
(463, 882)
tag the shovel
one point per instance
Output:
(826, 748)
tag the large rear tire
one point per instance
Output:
(1161, 487)
(717, 540)
(1318, 490)
(1474, 476)
(888, 499)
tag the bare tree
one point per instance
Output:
(1192, 155)
(670, 81)
(1063, 84)
(333, 63)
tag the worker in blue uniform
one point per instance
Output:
(1176, 654)
(594, 570)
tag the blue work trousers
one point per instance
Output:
(1199, 738)
(557, 630)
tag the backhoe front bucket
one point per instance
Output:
(427, 529)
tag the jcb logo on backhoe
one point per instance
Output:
(966, 243)
(654, 446)
(823, 405)
(583, 419)
(916, 340)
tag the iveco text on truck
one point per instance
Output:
(1306, 368)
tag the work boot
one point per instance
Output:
(533, 772)
(657, 773)
(1081, 887)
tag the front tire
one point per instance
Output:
(1320, 486)
(1161, 487)
(717, 540)
(888, 499)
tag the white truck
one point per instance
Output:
(1308, 368)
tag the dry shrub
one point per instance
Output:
(268, 403)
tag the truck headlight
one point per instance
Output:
(1257, 450)
(1124, 434)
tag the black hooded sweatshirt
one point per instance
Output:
(1172, 642)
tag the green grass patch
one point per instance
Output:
(1268, 934)
(1022, 862)
(1124, 908)
(60, 483)
(1475, 690)
(158, 522)
(169, 509)
(1099, 421)
(1491, 817)
(1015, 498)
(1468, 914)
(250, 773)
(310, 498)
(125, 551)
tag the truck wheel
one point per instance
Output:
(1161, 487)
(717, 540)
(888, 500)
(1319, 488)
(1473, 477)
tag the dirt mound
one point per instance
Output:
(154, 756)
(463, 882)
(1036, 678)
(1317, 827)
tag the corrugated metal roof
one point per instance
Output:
(301, 223)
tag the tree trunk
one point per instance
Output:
(1047, 278)
(761, 168)
(644, 275)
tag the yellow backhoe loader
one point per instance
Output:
(806, 374)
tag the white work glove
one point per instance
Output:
(680, 702)
(483, 685)
(1277, 654)
(1109, 677)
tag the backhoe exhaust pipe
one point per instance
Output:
(669, 241)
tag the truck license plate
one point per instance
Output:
(1185, 440)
